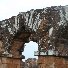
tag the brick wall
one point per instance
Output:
(52, 62)
(9, 63)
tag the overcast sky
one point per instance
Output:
(10, 8)
(29, 50)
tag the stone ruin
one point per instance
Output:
(48, 27)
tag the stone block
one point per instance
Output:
(3, 66)
(16, 61)
(1, 44)
(6, 60)
(12, 66)
(52, 62)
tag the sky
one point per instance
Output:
(9, 8)
(29, 50)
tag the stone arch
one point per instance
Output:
(47, 27)
(29, 50)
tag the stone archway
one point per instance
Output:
(29, 50)
(48, 27)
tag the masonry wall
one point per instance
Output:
(13, 60)
(41, 22)
(52, 62)
(9, 63)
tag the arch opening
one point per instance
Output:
(29, 49)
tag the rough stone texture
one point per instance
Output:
(52, 62)
(9, 63)
(48, 27)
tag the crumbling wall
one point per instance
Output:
(52, 62)
(48, 27)
(52, 31)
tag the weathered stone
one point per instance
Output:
(48, 27)
(52, 62)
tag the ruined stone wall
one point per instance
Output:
(52, 62)
(48, 27)
(10, 63)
